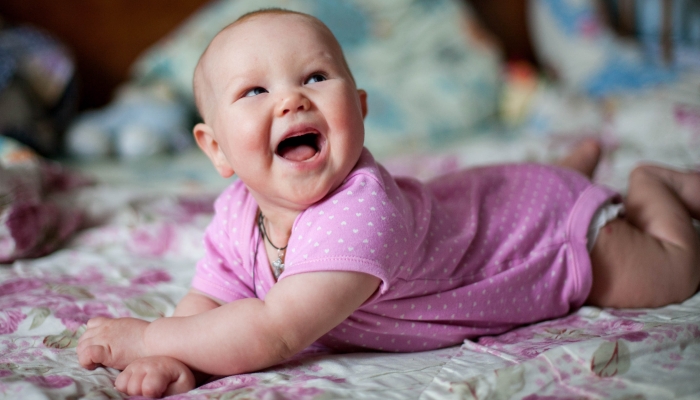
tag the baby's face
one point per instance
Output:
(284, 109)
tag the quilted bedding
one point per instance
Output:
(136, 258)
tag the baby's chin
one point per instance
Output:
(306, 192)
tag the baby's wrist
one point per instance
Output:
(161, 337)
(150, 340)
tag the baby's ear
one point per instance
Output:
(204, 136)
(363, 101)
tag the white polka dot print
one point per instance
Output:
(472, 253)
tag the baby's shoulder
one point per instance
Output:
(235, 204)
(361, 201)
(360, 186)
(234, 194)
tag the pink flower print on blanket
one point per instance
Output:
(233, 382)
(152, 277)
(153, 240)
(574, 328)
(10, 320)
(75, 299)
(50, 381)
(250, 387)
(18, 286)
(33, 221)
(37, 229)
(193, 206)
(73, 316)
(301, 383)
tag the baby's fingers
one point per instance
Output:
(97, 321)
(139, 382)
(154, 385)
(135, 384)
(88, 334)
(184, 383)
(91, 356)
(122, 381)
(92, 330)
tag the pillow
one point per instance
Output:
(429, 78)
(35, 218)
(572, 39)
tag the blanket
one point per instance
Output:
(136, 258)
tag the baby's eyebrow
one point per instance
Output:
(238, 82)
(227, 90)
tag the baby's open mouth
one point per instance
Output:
(299, 148)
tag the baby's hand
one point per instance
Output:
(155, 377)
(113, 343)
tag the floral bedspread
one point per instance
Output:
(139, 262)
(137, 256)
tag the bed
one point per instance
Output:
(141, 222)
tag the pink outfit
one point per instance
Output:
(472, 253)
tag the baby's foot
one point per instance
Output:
(689, 191)
(584, 157)
(685, 184)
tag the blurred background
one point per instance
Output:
(106, 37)
(91, 80)
(101, 40)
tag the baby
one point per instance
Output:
(316, 242)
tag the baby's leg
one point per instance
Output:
(651, 257)
(583, 158)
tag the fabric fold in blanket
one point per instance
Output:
(35, 211)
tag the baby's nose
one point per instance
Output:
(291, 102)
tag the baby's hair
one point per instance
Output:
(267, 10)
(198, 95)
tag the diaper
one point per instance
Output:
(606, 213)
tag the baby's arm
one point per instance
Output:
(242, 336)
(120, 334)
(195, 302)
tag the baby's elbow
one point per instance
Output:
(286, 346)
(264, 352)
(269, 348)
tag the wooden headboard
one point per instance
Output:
(107, 36)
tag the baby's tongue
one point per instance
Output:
(299, 152)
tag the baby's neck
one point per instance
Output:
(278, 225)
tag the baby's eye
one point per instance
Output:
(254, 92)
(315, 78)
